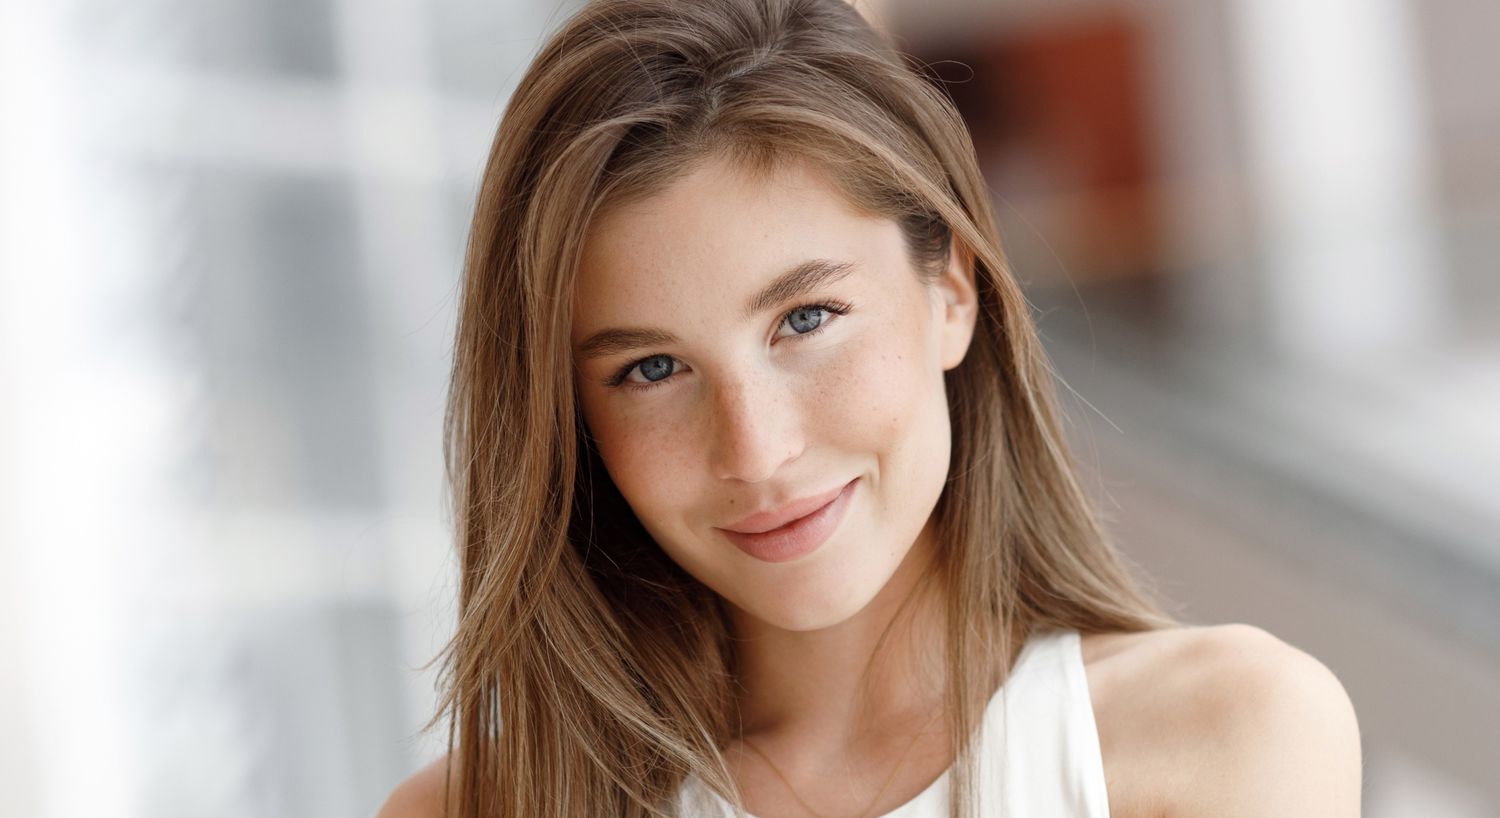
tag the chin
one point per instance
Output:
(802, 619)
(823, 597)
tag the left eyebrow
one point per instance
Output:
(799, 280)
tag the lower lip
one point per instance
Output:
(799, 537)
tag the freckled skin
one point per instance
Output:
(752, 414)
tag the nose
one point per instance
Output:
(755, 427)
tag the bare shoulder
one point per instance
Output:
(1222, 720)
(420, 795)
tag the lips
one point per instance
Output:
(803, 526)
(763, 521)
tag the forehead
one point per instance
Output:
(720, 229)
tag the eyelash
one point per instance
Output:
(834, 307)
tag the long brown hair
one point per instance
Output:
(589, 673)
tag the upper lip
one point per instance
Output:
(767, 519)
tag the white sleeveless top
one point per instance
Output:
(1053, 768)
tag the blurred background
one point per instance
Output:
(1261, 237)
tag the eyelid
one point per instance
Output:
(834, 307)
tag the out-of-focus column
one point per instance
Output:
(70, 418)
(1340, 180)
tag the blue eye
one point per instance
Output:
(803, 318)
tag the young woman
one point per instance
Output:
(761, 496)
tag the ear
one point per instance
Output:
(958, 307)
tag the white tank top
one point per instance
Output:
(1054, 768)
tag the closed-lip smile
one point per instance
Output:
(792, 530)
(768, 519)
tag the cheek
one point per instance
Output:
(879, 393)
(644, 457)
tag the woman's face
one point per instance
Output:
(733, 392)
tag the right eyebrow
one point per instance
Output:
(799, 280)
